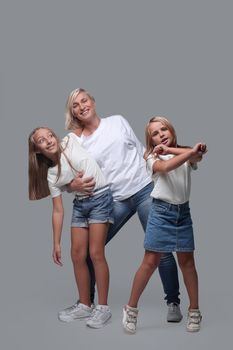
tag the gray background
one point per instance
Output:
(138, 58)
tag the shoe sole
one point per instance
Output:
(127, 331)
(68, 320)
(192, 330)
(174, 321)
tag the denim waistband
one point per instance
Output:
(95, 192)
(171, 205)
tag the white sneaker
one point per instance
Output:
(99, 317)
(194, 320)
(129, 321)
(74, 312)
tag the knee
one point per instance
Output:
(187, 263)
(150, 263)
(78, 256)
(149, 266)
(96, 255)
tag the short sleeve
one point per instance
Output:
(54, 190)
(149, 164)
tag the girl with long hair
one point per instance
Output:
(52, 165)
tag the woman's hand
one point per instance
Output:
(57, 254)
(84, 185)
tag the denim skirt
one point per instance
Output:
(169, 228)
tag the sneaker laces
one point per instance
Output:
(70, 308)
(173, 307)
(96, 313)
(131, 316)
(194, 317)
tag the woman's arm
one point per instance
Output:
(84, 185)
(57, 221)
(132, 137)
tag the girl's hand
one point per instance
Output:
(203, 148)
(57, 255)
(161, 149)
(199, 149)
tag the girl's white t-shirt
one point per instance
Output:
(119, 154)
(174, 186)
(80, 160)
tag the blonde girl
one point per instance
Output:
(169, 226)
(52, 165)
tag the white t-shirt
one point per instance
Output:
(174, 186)
(120, 156)
(80, 161)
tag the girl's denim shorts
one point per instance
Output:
(169, 228)
(94, 209)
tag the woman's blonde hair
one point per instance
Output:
(149, 145)
(71, 122)
(38, 165)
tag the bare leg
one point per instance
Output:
(187, 266)
(79, 246)
(149, 264)
(97, 239)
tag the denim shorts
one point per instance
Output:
(95, 209)
(169, 228)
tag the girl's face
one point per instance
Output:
(46, 142)
(160, 134)
(83, 107)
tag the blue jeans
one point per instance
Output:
(140, 202)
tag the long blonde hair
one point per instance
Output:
(71, 122)
(149, 144)
(38, 165)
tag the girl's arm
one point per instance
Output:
(57, 221)
(163, 166)
(163, 149)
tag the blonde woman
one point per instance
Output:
(113, 144)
